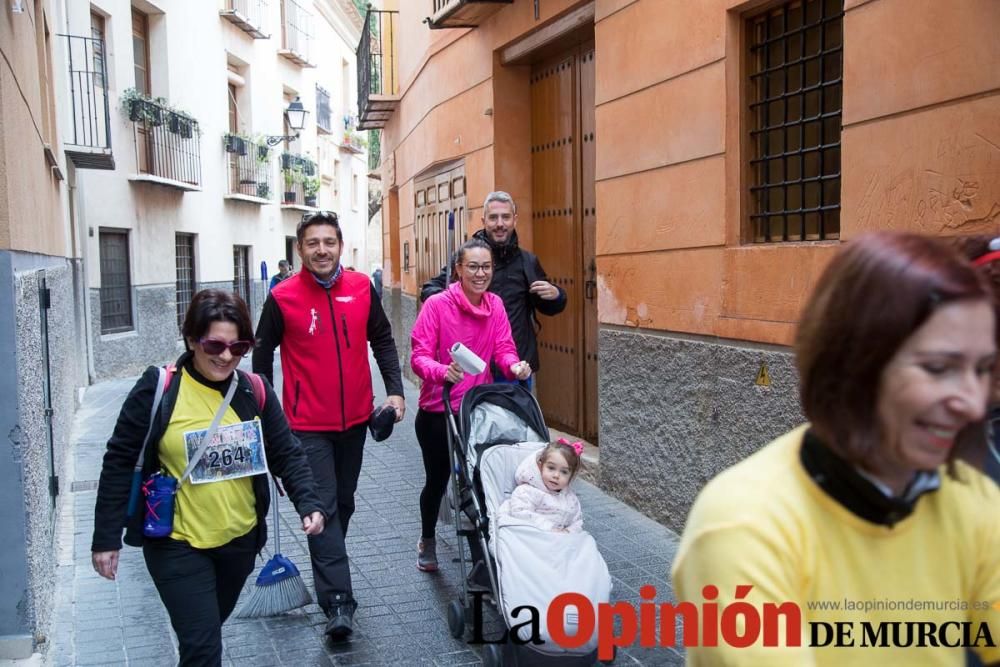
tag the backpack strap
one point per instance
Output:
(258, 389)
(166, 374)
(261, 395)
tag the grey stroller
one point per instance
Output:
(497, 427)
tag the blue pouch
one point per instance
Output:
(160, 490)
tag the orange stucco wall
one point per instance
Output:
(31, 206)
(458, 102)
(920, 145)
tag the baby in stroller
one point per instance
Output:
(543, 496)
(539, 545)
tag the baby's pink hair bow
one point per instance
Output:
(577, 446)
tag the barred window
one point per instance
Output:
(795, 95)
(241, 272)
(184, 245)
(323, 115)
(116, 281)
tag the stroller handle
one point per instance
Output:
(446, 397)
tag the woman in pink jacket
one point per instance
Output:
(464, 313)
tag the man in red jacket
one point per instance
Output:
(323, 318)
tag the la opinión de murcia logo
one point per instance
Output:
(738, 624)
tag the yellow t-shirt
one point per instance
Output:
(765, 523)
(205, 515)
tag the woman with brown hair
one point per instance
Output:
(849, 519)
(201, 558)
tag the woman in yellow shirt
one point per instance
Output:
(218, 523)
(858, 539)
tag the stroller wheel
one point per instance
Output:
(492, 656)
(456, 619)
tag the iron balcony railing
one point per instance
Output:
(247, 15)
(464, 13)
(300, 179)
(377, 75)
(250, 170)
(296, 23)
(167, 143)
(89, 142)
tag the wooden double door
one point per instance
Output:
(440, 225)
(564, 202)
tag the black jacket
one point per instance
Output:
(285, 457)
(514, 270)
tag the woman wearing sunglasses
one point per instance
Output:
(218, 527)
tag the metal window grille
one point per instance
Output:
(796, 93)
(185, 274)
(324, 117)
(241, 272)
(116, 283)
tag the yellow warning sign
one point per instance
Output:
(763, 376)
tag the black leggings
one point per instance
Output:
(199, 588)
(433, 438)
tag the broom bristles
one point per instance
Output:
(276, 598)
(279, 588)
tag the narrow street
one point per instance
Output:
(402, 615)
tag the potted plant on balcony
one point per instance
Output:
(291, 176)
(235, 144)
(180, 124)
(141, 108)
(310, 186)
(263, 191)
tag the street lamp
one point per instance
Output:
(296, 115)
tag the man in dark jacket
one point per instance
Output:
(284, 272)
(518, 277)
(324, 317)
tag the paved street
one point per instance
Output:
(402, 615)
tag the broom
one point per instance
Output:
(279, 587)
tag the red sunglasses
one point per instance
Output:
(237, 348)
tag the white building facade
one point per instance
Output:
(202, 177)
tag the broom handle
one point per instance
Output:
(277, 519)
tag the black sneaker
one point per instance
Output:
(340, 617)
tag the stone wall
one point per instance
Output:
(152, 341)
(676, 411)
(36, 459)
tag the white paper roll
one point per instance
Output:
(467, 359)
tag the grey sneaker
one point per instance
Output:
(427, 560)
